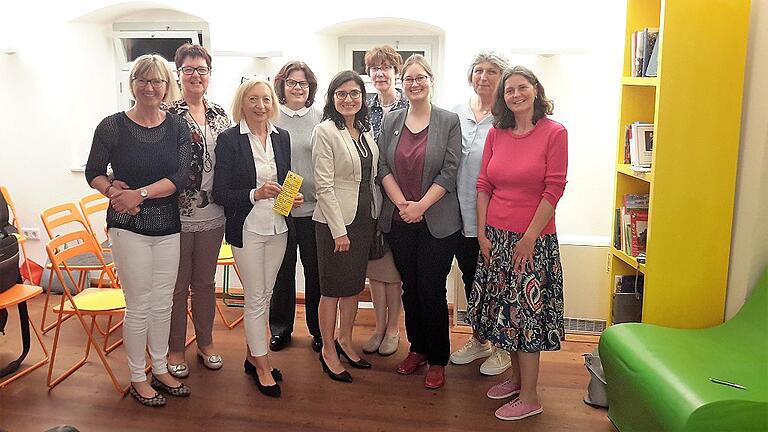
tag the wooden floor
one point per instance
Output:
(227, 400)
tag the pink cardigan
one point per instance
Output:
(518, 171)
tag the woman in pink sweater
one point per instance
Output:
(517, 298)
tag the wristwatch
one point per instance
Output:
(144, 193)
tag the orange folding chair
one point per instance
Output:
(54, 219)
(11, 297)
(90, 205)
(17, 225)
(88, 303)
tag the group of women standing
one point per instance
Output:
(392, 163)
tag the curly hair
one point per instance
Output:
(329, 110)
(503, 116)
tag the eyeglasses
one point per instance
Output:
(421, 79)
(383, 68)
(156, 83)
(189, 70)
(293, 83)
(341, 94)
(253, 100)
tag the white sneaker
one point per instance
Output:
(471, 351)
(497, 363)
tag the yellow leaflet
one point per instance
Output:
(284, 201)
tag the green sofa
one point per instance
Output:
(660, 379)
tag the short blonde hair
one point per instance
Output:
(154, 65)
(245, 87)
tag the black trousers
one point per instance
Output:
(467, 251)
(282, 309)
(424, 263)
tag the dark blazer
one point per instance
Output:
(235, 176)
(441, 164)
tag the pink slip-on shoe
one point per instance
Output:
(517, 410)
(503, 390)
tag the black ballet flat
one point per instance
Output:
(157, 400)
(270, 390)
(360, 364)
(250, 369)
(341, 377)
(179, 391)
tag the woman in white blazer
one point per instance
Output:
(345, 158)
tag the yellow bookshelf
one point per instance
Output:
(695, 104)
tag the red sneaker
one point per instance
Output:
(412, 362)
(435, 377)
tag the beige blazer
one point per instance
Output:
(338, 175)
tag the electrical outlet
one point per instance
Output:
(31, 233)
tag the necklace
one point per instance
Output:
(207, 161)
(394, 102)
(361, 147)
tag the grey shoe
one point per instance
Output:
(180, 370)
(373, 344)
(389, 344)
(212, 362)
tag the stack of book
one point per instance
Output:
(645, 52)
(631, 225)
(638, 146)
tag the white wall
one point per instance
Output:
(749, 247)
(61, 82)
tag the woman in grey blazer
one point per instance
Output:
(420, 150)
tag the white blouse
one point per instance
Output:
(262, 219)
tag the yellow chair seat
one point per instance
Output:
(95, 300)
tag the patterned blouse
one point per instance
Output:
(192, 197)
(376, 114)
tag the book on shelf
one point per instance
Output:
(642, 44)
(651, 69)
(650, 37)
(641, 146)
(636, 201)
(639, 231)
(631, 224)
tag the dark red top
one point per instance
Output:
(409, 164)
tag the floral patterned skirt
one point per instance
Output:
(519, 313)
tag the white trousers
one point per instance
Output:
(259, 261)
(147, 267)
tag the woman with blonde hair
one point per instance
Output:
(149, 151)
(252, 160)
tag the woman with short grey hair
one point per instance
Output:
(476, 120)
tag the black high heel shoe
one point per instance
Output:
(341, 377)
(270, 390)
(250, 369)
(360, 364)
